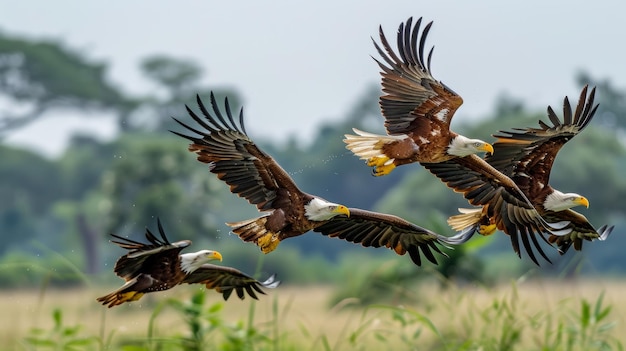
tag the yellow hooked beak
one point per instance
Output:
(214, 255)
(582, 201)
(486, 148)
(342, 210)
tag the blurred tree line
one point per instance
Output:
(62, 210)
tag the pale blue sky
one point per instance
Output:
(299, 63)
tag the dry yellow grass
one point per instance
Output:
(304, 313)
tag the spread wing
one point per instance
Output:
(372, 229)
(235, 158)
(581, 230)
(412, 97)
(226, 280)
(527, 154)
(142, 257)
(483, 185)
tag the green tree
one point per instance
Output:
(27, 189)
(154, 177)
(44, 75)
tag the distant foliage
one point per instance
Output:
(45, 75)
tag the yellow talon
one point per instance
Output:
(487, 230)
(383, 170)
(268, 242)
(129, 296)
(377, 161)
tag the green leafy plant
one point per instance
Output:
(60, 337)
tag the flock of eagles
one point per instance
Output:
(508, 187)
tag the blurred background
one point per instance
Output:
(87, 92)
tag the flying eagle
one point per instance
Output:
(526, 155)
(288, 211)
(417, 108)
(159, 266)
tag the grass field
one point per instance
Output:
(532, 315)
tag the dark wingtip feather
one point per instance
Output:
(161, 231)
(226, 294)
(415, 256)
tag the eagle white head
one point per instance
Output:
(462, 146)
(558, 201)
(189, 262)
(322, 210)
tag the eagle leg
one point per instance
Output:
(383, 165)
(487, 229)
(377, 161)
(383, 170)
(116, 298)
(268, 242)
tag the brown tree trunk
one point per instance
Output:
(90, 247)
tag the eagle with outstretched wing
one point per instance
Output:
(158, 265)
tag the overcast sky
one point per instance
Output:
(299, 63)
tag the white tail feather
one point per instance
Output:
(368, 145)
(467, 218)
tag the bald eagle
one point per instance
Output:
(254, 175)
(159, 265)
(526, 155)
(417, 108)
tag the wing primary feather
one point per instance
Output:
(400, 41)
(226, 294)
(430, 56)
(429, 254)
(422, 45)
(524, 234)
(151, 238)
(217, 111)
(201, 121)
(542, 124)
(390, 57)
(194, 139)
(126, 242)
(243, 127)
(589, 109)
(539, 249)
(553, 117)
(567, 113)
(434, 246)
(415, 256)
(580, 105)
(161, 231)
(250, 291)
(414, 39)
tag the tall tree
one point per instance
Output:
(27, 189)
(39, 76)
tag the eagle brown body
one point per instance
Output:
(288, 211)
(417, 108)
(527, 156)
(158, 265)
